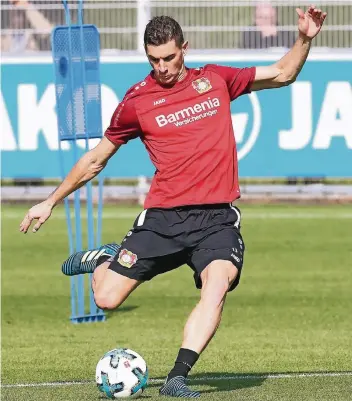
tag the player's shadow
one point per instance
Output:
(217, 381)
(226, 381)
(221, 381)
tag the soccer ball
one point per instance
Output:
(122, 373)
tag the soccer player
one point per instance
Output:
(183, 117)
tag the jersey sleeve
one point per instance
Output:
(238, 80)
(124, 124)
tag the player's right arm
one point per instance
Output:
(124, 126)
(87, 167)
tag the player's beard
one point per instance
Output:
(175, 77)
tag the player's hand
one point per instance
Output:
(310, 22)
(40, 212)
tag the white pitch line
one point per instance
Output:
(245, 215)
(197, 379)
(53, 384)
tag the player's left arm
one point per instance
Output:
(286, 70)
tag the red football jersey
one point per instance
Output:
(187, 131)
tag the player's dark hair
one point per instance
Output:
(161, 30)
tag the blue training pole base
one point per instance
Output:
(88, 318)
(78, 305)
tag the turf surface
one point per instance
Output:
(291, 313)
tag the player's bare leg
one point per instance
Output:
(201, 325)
(205, 317)
(111, 289)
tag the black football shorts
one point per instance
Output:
(164, 239)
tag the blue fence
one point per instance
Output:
(301, 130)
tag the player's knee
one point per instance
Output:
(106, 301)
(232, 273)
(219, 271)
(214, 293)
(216, 281)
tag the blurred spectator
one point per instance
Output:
(267, 33)
(20, 40)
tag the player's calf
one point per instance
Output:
(87, 261)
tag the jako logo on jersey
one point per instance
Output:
(187, 112)
(160, 101)
(202, 85)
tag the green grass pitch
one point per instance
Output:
(290, 314)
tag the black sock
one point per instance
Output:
(185, 360)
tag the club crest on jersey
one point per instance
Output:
(202, 85)
(127, 258)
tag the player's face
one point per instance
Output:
(167, 61)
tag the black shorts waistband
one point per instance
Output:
(214, 206)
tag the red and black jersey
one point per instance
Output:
(187, 131)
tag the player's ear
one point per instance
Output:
(185, 47)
